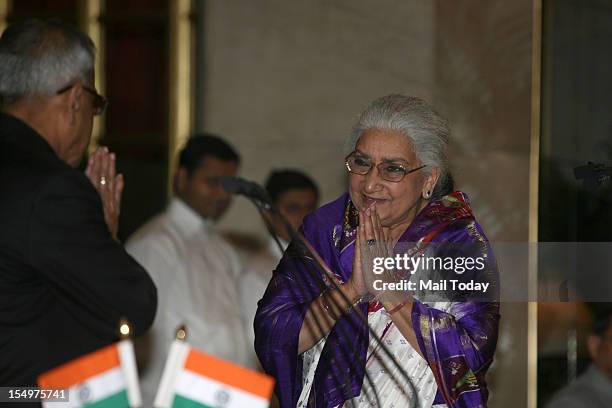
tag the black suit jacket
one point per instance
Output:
(64, 282)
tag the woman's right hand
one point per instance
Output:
(357, 280)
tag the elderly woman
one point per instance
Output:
(342, 336)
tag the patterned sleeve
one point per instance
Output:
(459, 343)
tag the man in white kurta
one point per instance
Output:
(195, 270)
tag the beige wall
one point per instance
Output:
(483, 84)
(286, 80)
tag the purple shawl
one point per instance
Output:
(458, 345)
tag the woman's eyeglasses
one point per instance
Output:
(389, 171)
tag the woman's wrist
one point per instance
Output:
(334, 301)
(350, 292)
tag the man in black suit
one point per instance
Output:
(65, 280)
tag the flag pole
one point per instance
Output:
(128, 363)
(125, 329)
(181, 333)
(174, 364)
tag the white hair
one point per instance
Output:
(427, 131)
(39, 57)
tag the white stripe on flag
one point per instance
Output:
(210, 392)
(93, 389)
(130, 372)
(174, 364)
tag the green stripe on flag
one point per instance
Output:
(119, 400)
(182, 402)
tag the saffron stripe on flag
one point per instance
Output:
(76, 371)
(208, 392)
(230, 374)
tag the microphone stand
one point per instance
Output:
(266, 205)
(263, 204)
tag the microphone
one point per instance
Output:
(250, 189)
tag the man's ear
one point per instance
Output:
(73, 100)
(593, 343)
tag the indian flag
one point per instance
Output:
(102, 379)
(193, 379)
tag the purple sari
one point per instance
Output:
(458, 345)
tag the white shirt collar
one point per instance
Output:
(185, 218)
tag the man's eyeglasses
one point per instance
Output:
(389, 171)
(99, 102)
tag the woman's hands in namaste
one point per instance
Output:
(372, 242)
